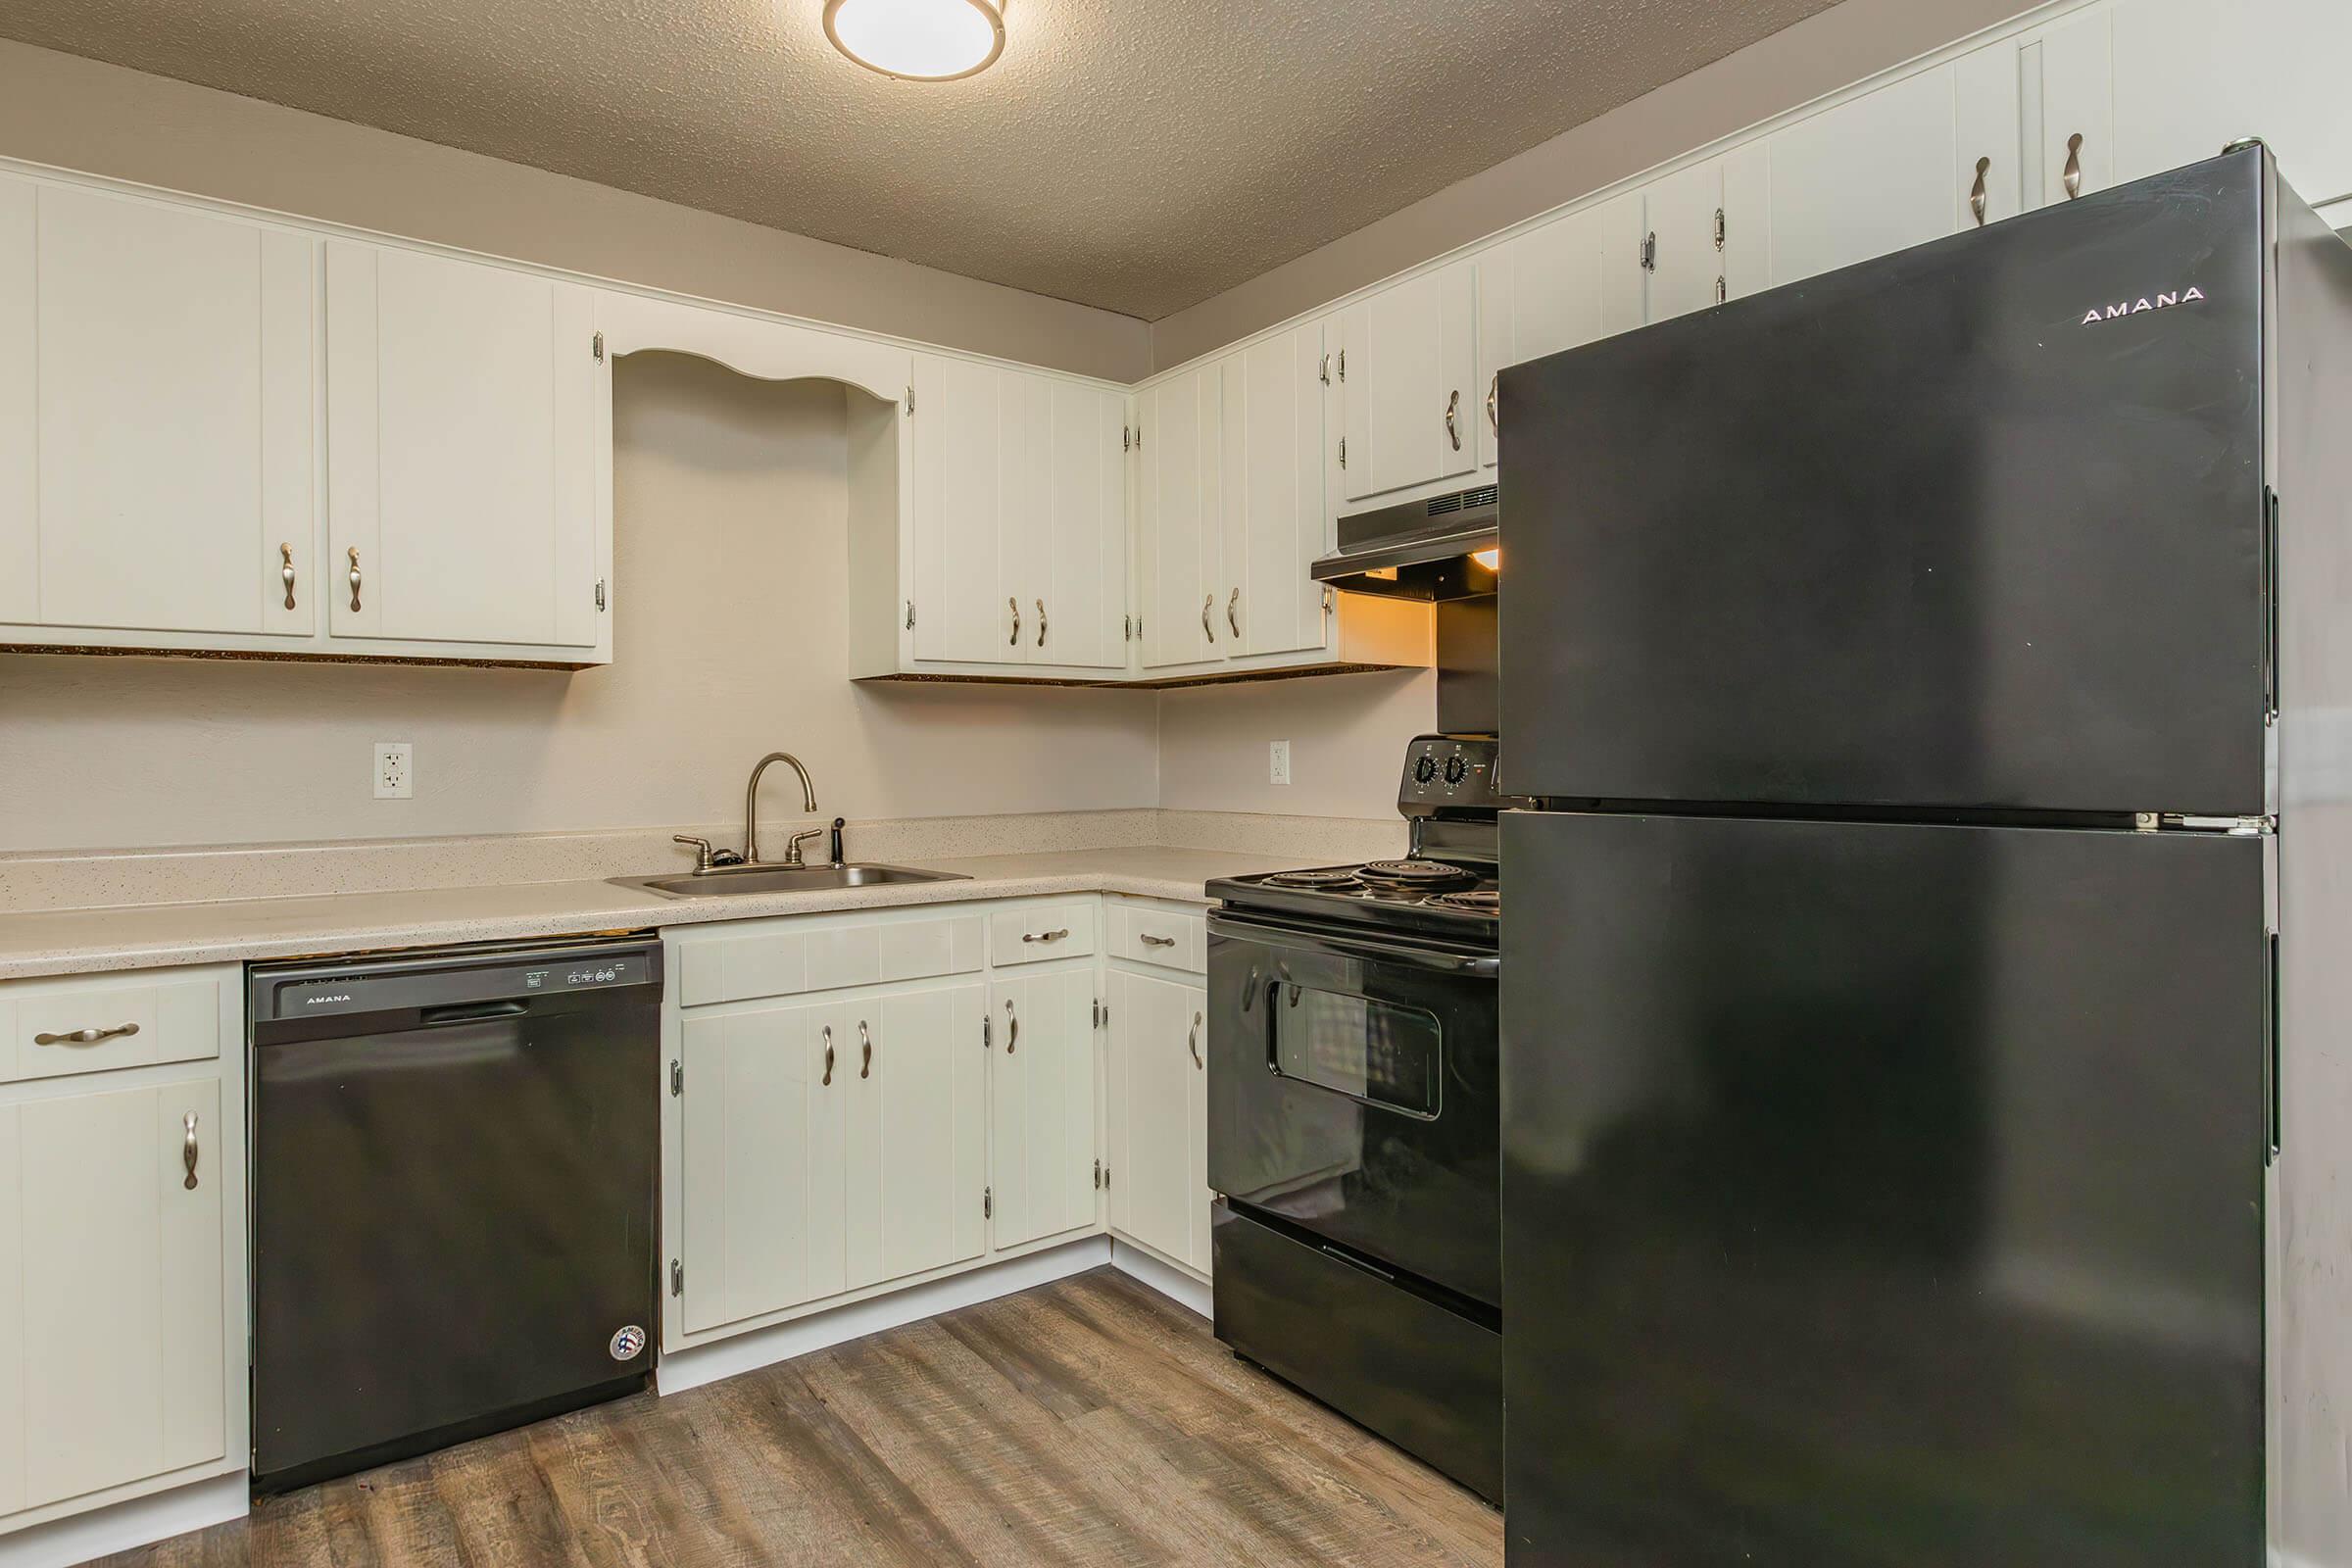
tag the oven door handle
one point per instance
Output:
(1483, 967)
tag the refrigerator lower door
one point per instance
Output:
(1882, 1193)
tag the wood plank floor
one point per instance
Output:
(1087, 1421)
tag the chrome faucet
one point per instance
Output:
(750, 810)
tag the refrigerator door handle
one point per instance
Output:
(2270, 1048)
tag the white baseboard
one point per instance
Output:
(781, 1342)
(120, 1526)
(1177, 1285)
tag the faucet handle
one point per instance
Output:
(704, 856)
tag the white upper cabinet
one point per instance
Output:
(1410, 383)
(2071, 121)
(1686, 239)
(1183, 432)
(155, 418)
(1278, 483)
(2191, 77)
(957, 612)
(1082, 574)
(1864, 177)
(468, 416)
(1541, 292)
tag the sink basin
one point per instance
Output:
(741, 879)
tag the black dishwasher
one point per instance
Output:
(455, 1169)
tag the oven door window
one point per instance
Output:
(1369, 1050)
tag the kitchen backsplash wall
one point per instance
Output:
(1346, 737)
(729, 522)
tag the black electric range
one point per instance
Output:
(1355, 1123)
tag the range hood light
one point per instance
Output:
(1491, 559)
(919, 40)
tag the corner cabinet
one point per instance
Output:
(1239, 465)
(1157, 1084)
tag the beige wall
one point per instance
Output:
(80, 114)
(729, 523)
(1346, 735)
(1827, 51)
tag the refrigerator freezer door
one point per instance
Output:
(1882, 1195)
(1939, 531)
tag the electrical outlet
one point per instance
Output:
(395, 771)
(1278, 762)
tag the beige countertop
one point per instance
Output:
(150, 935)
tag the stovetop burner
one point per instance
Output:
(1415, 873)
(1477, 901)
(1338, 878)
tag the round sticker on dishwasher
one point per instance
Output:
(628, 1344)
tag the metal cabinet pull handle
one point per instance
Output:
(1453, 407)
(1207, 630)
(1192, 1042)
(1012, 1027)
(1015, 641)
(1325, 372)
(1151, 941)
(828, 1078)
(1976, 192)
(1041, 623)
(1493, 401)
(354, 553)
(1045, 936)
(866, 1044)
(1233, 612)
(2073, 178)
(87, 1037)
(188, 1153)
(285, 572)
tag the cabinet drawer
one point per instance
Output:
(1034, 933)
(49, 1028)
(1173, 939)
(785, 957)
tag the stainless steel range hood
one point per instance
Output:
(1419, 550)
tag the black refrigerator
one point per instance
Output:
(1905, 667)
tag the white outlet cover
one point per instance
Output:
(395, 766)
(1278, 762)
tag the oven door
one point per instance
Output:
(1352, 1093)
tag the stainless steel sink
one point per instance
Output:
(741, 879)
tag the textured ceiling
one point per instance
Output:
(1138, 155)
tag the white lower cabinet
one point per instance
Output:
(1158, 1114)
(121, 1245)
(1041, 1101)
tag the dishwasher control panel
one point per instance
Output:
(450, 985)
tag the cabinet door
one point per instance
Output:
(1989, 175)
(154, 416)
(2191, 77)
(763, 1164)
(918, 1125)
(2074, 60)
(463, 412)
(1279, 487)
(110, 1320)
(1498, 312)
(1159, 1116)
(1025, 524)
(1040, 1097)
(1185, 429)
(1085, 552)
(1412, 362)
(1225, 544)
(1864, 177)
(1685, 211)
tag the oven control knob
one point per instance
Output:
(1456, 770)
(1424, 769)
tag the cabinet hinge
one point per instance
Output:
(986, 1039)
(600, 593)
(1323, 371)
(1719, 229)
(1330, 600)
(1098, 1175)
(2236, 827)
(1126, 438)
(988, 1202)
(1721, 291)
(1139, 438)
(1343, 452)
(1649, 252)
(1107, 1178)
(596, 348)
(911, 615)
(678, 1278)
(677, 1078)
(1127, 629)
(910, 400)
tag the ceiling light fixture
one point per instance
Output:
(919, 40)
